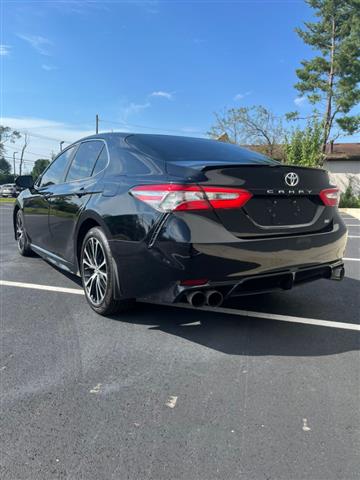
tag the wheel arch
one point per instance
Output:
(88, 220)
(15, 211)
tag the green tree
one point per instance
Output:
(303, 146)
(7, 135)
(39, 167)
(5, 166)
(254, 125)
(331, 79)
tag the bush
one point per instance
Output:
(303, 147)
(348, 199)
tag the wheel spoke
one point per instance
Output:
(103, 263)
(90, 279)
(85, 262)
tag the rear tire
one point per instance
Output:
(22, 240)
(96, 268)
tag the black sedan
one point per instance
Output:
(176, 219)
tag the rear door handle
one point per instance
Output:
(81, 192)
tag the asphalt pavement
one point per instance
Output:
(169, 393)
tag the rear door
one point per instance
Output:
(36, 207)
(69, 198)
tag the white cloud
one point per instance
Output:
(4, 50)
(37, 42)
(240, 96)
(133, 108)
(44, 135)
(300, 101)
(161, 93)
(48, 68)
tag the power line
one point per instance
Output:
(25, 160)
(125, 124)
(28, 152)
(43, 137)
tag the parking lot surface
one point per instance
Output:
(171, 393)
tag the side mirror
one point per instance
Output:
(24, 181)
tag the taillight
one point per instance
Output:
(330, 197)
(174, 197)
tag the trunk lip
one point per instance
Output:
(203, 166)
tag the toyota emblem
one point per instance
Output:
(291, 179)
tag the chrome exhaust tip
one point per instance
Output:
(214, 298)
(196, 298)
(337, 273)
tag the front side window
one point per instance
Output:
(84, 160)
(56, 171)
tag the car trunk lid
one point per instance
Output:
(285, 199)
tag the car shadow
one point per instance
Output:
(236, 335)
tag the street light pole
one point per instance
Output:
(14, 163)
(61, 144)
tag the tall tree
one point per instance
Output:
(7, 135)
(254, 125)
(5, 167)
(39, 167)
(331, 79)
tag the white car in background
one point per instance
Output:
(8, 190)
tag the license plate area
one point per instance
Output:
(281, 211)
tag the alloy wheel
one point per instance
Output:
(20, 232)
(95, 270)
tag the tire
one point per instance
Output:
(22, 240)
(96, 268)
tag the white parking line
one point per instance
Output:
(353, 236)
(36, 286)
(270, 316)
(228, 311)
(352, 224)
(352, 259)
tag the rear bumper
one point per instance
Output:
(285, 280)
(239, 267)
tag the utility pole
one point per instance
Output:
(14, 163)
(97, 124)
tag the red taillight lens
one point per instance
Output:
(330, 197)
(171, 197)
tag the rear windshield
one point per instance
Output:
(187, 149)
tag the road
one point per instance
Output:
(170, 393)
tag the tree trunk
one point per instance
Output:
(22, 153)
(328, 120)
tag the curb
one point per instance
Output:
(355, 212)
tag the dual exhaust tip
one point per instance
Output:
(337, 273)
(198, 298)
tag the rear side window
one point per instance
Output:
(84, 160)
(101, 162)
(56, 171)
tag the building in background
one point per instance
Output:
(342, 160)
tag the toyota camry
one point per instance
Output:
(177, 219)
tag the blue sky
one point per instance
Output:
(167, 65)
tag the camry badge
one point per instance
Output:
(291, 179)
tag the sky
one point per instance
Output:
(144, 66)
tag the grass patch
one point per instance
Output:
(7, 200)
